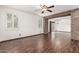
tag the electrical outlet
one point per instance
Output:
(19, 34)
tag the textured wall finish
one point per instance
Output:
(75, 24)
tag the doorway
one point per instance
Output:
(61, 24)
(52, 26)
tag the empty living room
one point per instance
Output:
(39, 28)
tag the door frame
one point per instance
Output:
(46, 18)
(50, 26)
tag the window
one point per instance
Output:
(12, 21)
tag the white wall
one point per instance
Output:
(62, 23)
(28, 24)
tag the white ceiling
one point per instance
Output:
(35, 8)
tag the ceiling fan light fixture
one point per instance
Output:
(44, 9)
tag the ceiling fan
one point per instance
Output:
(46, 8)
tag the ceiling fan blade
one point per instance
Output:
(41, 6)
(49, 10)
(42, 12)
(51, 6)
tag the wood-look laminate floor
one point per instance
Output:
(56, 42)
